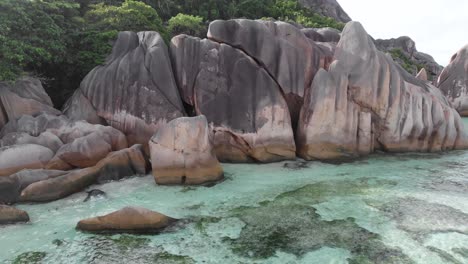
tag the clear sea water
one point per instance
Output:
(406, 208)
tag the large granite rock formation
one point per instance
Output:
(127, 220)
(406, 54)
(328, 8)
(245, 104)
(367, 102)
(182, 153)
(25, 96)
(453, 81)
(284, 51)
(133, 91)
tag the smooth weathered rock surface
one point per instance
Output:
(115, 166)
(133, 91)
(75, 143)
(45, 139)
(453, 81)
(19, 157)
(88, 150)
(127, 220)
(328, 8)
(283, 50)
(11, 215)
(246, 106)
(25, 97)
(367, 102)
(182, 153)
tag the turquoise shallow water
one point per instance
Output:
(408, 208)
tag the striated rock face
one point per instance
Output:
(237, 95)
(182, 153)
(25, 97)
(453, 82)
(328, 8)
(407, 51)
(134, 91)
(115, 166)
(19, 157)
(287, 55)
(10, 215)
(127, 220)
(366, 102)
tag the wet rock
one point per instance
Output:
(19, 157)
(115, 166)
(93, 194)
(25, 97)
(421, 218)
(60, 187)
(10, 215)
(298, 165)
(127, 220)
(182, 153)
(250, 116)
(11, 186)
(133, 91)
(453, 81)
(283, 51)
(9, 190)
(365, 102)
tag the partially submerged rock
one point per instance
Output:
(93, 194)
(11, 186)
(115, 166)
(11, 215)
(19, 157)
(245, 104)
(182, 153)
(453, 81)
(133, 91)
(127, 220)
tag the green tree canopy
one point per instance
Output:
(186, 24)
